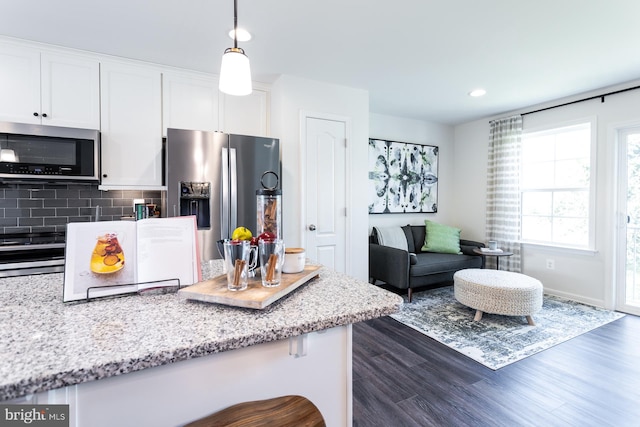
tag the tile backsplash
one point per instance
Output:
(49, 207)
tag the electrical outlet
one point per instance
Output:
(551, 264)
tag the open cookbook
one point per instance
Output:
(118, 257)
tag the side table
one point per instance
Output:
(496, 254)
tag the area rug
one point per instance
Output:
(497, 341)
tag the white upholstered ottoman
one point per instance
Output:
(498, 292)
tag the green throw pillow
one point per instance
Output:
(441, 238)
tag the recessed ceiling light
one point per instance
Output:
(477, 92)
(243, 35)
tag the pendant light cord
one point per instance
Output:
(235, 24)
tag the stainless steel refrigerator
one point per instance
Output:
(214, 176)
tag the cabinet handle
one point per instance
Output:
(36, 114)
(104, 175)
(44, 114)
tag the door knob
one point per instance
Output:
(312, 227)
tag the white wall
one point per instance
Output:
(581, 275)
(289, 97)
(470, 166)
(427, 133)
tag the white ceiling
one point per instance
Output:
(417, 58)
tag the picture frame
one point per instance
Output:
(403, 177)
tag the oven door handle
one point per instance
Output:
(12, 248)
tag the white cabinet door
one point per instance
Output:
(131, 125)
(19, 84)
(246, 115)
(70, 91)
(189, 101)
(49, 88)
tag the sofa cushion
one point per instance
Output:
(441, 238)
(419, 234)
(434, 263)
(408, 233)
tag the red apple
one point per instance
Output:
(267, 235)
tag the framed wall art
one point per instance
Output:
(403, 177)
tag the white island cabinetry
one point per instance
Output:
(171, 395)
(49, 88)
(131, 99)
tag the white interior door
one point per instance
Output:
(326, 200)
(628, 251)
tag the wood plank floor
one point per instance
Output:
(403, 378)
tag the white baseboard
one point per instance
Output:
(574, 297)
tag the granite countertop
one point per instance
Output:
(47, 344)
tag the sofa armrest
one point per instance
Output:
(389, 265)
(467, 247)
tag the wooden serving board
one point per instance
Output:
(255, 296)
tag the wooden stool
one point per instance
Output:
(284, 411)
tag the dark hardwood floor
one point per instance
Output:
(403, 378)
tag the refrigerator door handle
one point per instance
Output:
(224, 206)
(233, 189)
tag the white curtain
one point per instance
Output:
(503, 190)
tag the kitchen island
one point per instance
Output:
(157, 359)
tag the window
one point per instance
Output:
(555, 186)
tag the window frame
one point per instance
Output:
(591, 209)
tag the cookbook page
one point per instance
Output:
(168, 249)
(99, 256)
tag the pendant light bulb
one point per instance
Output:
(235, 71)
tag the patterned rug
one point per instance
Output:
(497, 341)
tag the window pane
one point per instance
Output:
(633, 177)
(537, 203)
(572, 173)
(571, 204)
(538, 148)
(555, 186)
(538, 175)
(574, 144)
(536, 228)
(572, 231)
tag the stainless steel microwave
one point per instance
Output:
(48, 153)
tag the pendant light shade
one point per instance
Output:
(235, 71)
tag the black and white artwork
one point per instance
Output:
(403, 177)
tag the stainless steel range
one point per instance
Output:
(31, 253)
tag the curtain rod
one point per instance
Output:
(582, 100)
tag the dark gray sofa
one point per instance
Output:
(414, 268)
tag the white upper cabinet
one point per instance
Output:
(192, 101)
(19, 85)
(246, 115)
(189, 101)
(43, 87)
(131, 100)
(70, 94)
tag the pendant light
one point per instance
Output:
(235, 72)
